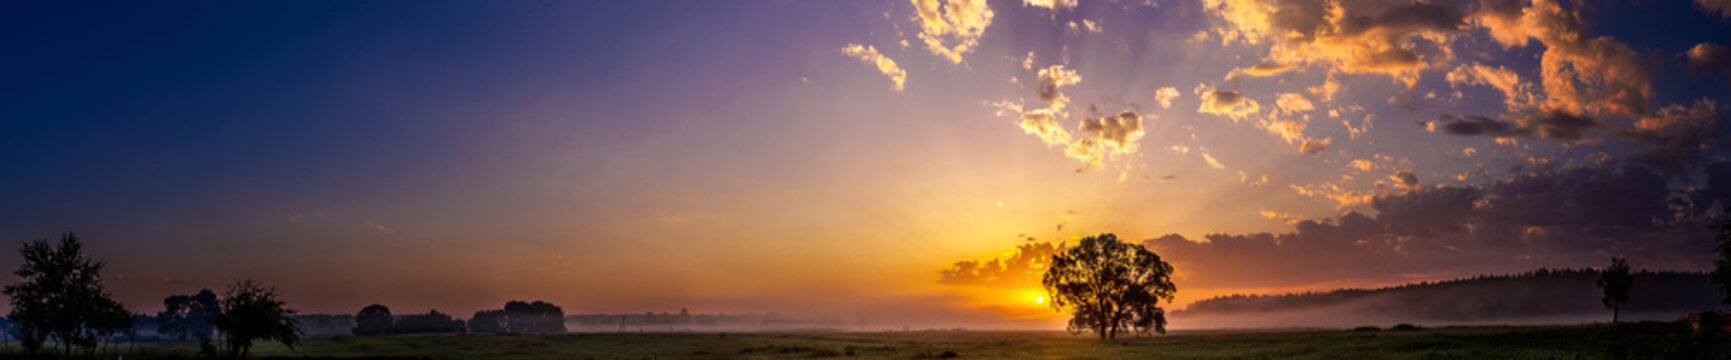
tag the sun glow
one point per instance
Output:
(1040, 299)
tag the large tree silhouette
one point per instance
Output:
(62, 298)
(1615, 280)
(252, 312)
(188, 316)
(1110, 286)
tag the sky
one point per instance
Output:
(900, 162)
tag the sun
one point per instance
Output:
(1040, 299)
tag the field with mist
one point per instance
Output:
(1648, 340)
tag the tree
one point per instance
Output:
(1110, 286)
(431, 322)
(62, 298)
(1722, 266)
(374, 319)
(252, 312)
(488, 321)
(188, 316)
(1615, 280)
(534, 318)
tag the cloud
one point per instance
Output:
(1292, 103)
(1165, 96)
(1213, 163)
(1580, 74)
(1283, 217)
(1341, 197)
(1020, 269)
(1049, 84)
(952, 29)
(1312, 146)
(1050, 4)
(1362, 165)
(1675, 137)
(1229, 104)
(1099, 139)
(1260, 70)
(1713, 59)
(1349, 37)
(1471, 125)
(1405, 178)
(1567, 216)
(1106, 136)
(379, 228)
(1516, 95)
(1723, 7)
(870, 55)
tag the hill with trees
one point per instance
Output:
(1537, 296)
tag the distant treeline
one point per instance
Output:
(685, 318)
(1541, 293)
(537, 317)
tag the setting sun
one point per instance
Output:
(1040, 299)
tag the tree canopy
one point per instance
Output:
(1110, 286)
(374, 319)
(1722, 266)
(188, 316)
(1615, 280)
(252, 312)
(62, 298)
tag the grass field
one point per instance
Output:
(1630, 341)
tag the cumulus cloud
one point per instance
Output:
(952, 29)
(1707, 58)
(870, 55)
(1568, 216)
(1579, 73)
(1293, 103)
(1723, 7)
(1099, 137)
(1516, 95)
(1676, 136)
(1229, 104)
(1022, 268)
(1405, 178)
(1106, 136)
(1350, 37)
(1312, 146)
(1165, 96)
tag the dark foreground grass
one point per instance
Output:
(1629, 341)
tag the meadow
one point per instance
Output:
(1652, 340)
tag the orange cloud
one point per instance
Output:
(870, 55)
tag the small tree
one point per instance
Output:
(1110, 286)
(188, 316)
(62, 298)
(374, 319)
(1615, 280)
(252, 312)
(1722, 266)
